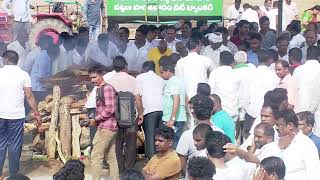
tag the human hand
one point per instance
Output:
(170, 123)
(260, 174)
(140, 119)
(38, 121)
(230, 148)
(92, 122)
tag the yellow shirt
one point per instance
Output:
(166, 167)
(154, 55)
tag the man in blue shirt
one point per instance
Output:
(255, 46)
(222, 119)
(41, 68)
(306, 123)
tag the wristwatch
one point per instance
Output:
(173, 118)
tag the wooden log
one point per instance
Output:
(76, 132)
(62, 157)
(79, 103)
(51, 146)
(28, 127)
(65, 125)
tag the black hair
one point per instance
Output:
(18, 177)
(103, 37)
(216, 98)
(111, 25)
(295, 26)
(246, 5)
(252, 27)
(165, 60)
(45, 40)
(119, 63)
(242, 23)
(203, 89)
(188, 23)
(203, 107)
(132, 174)
(12, 56)
(148, 66)
(202, 129)
(263, 56)
(163, 27)
(83, 30)
(274, 54)
(201, 168)
(226, 58)
(255, 35)
(317, 7)
(267, 129)
(313, 53)
(201, 22)
(296, 53)
(275, 97)
(284, 63)
(168, 67)
(306, 116)
(153, 28)
(171, 27)
(283, 37)
(175, 57)
(222, 30)
(62, 37)
(98, 69)
(196, 35)
(289, 116)
(165, 132)
(125, 29)
(263, 19)
(72, 170)
(274, 165)
(214, 143)
(143, 29)
(192, 43)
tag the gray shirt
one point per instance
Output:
(93, 10)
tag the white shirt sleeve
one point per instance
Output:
(311, 161)
(212, 82)
(183, 144)
(27, 82)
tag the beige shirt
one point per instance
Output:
(124, 82)
(290, 84)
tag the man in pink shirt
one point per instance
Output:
(287, 82)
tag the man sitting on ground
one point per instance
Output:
(200, 168)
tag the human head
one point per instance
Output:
(73, 169)
(148, 66)
(306, 122)
(264, 23)
(119, 64)
(255, 41)
(96, 75)
(202, 25)
(199, 134)
(294, 27)
(312, 26)
(10, 57)
(83, 36)
(237, 4)
(181, 49)
(113, 27)
(246, 6)
(162, 46)
(254, 27)
(200, 168)
(215, 40)
(224, 32)
(295, 55)
(103, 41)
(287, 122)
(240, 57)
(277, 99)
(170, 34)
(226, 58)
(186, 29)
(132, 174)
(22, 37)
(263, 134)
(62, 36)
(175, 57)
(313, 53)
(216, 103)
(123, 35)
(164, 139)
(45, 41)
(268, 4)
(282, 68)
(193, 45)
(202, 107)
(68, 43)
(214, 143)
(167, 70)
(282, 44)
(275, 168)
(274, 54)
(243, 27)
(315, 9)
(267, 115)
(203, 89)
(311, 37)
(153, 32)
(264, 57)
(141, 34)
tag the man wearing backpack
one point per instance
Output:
(123, 83)
(104, 141)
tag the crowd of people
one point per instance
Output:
(219, 103)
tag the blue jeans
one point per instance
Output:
(11, 139)
(94, 32)
(179, 127)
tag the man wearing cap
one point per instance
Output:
(213, 50)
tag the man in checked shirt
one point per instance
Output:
(104, 139)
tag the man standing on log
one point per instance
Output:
(104, 141)
(12, 110)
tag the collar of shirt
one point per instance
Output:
(295, 65)
(10, 67)
(286, 78)
(310, 134)
(240, 65)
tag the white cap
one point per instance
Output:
(215, 37)
(240, 57)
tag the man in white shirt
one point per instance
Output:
(298, 152)
(264, 81)
(290, 12)
(170, 37)
(202, 111)
(13, 90)
(225, 83)
(194, 68)
(19, 11)
(267, 6)
(249, 14)
(282, 47)
(297, 40)
(151, 89)
(311, 40)
(103, 52)
(234, 12)
(137, 50)
(20, 46)
(213, 50)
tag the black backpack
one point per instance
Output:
(125, 107)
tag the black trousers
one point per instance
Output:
(151, 122)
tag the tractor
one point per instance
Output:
(60, 17)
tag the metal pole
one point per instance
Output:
(280, 15)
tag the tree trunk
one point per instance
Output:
(65, 125)
(76, 132)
